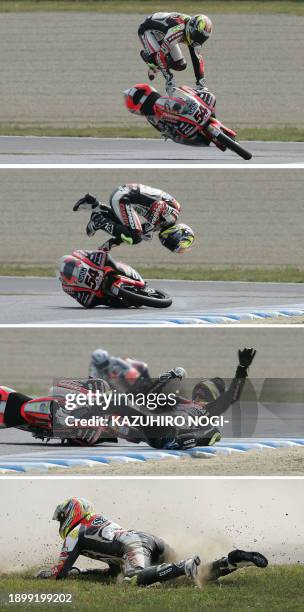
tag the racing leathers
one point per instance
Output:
(132, 553)
(140, 557)
(128, 204)
(161, 35)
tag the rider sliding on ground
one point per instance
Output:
(209, 397)
(140, 557)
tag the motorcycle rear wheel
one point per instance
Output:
(146, 296)
(234, 146)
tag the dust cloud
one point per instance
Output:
(195, 516)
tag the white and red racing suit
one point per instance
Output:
(97, 537)
(161, 35)
(137, 555)
(131, 202)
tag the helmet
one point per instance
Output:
(177, 238)
(100, 360)
(198, 30)
(136, 96)
(71, 513)
(208, 390)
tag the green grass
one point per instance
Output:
(276, 589)
(12, 270)
(288, 274)
(281, 133)
(293, 7)
(262, 275)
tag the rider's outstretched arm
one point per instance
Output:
(233, 394)
(198, 67)
(69, 553)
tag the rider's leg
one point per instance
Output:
(155, 59)
(143, 550)
(125, 213)
(151, 46)
(168, 571)
(236, 559)
(176, 60)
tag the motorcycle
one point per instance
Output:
(43, 417)
(187, 116)
(36, 416)
(98, 280)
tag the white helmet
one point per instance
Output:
(100, 360)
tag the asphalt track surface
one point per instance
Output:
(282, 421)
(61, 150)
(41, 300)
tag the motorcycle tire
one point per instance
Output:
(234, 146)
(137, 296)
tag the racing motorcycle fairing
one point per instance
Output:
(38, 412)
(94, 272)
(83, 271)
(188, 117)
(184, 106)
(21, 411)
(36, 415)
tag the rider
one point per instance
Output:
(128, 203)
(116, 370)
(209, 396)
(127, 371)
(142, 558)
(160, 35)
(121, 219)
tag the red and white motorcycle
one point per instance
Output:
(186, 116)
(93, 278)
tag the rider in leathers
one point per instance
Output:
(161, 35)
(209, 396)
(139, 556)
(121, 219)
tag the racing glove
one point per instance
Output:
(201, 83)
(88, 201)
(246, 357)
(44, 574)
(178, 372)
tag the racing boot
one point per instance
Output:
(152, 68)
(241, 558)
(166, 571)
(236, 559)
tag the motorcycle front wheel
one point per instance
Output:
(234, 146)
(145, 296)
